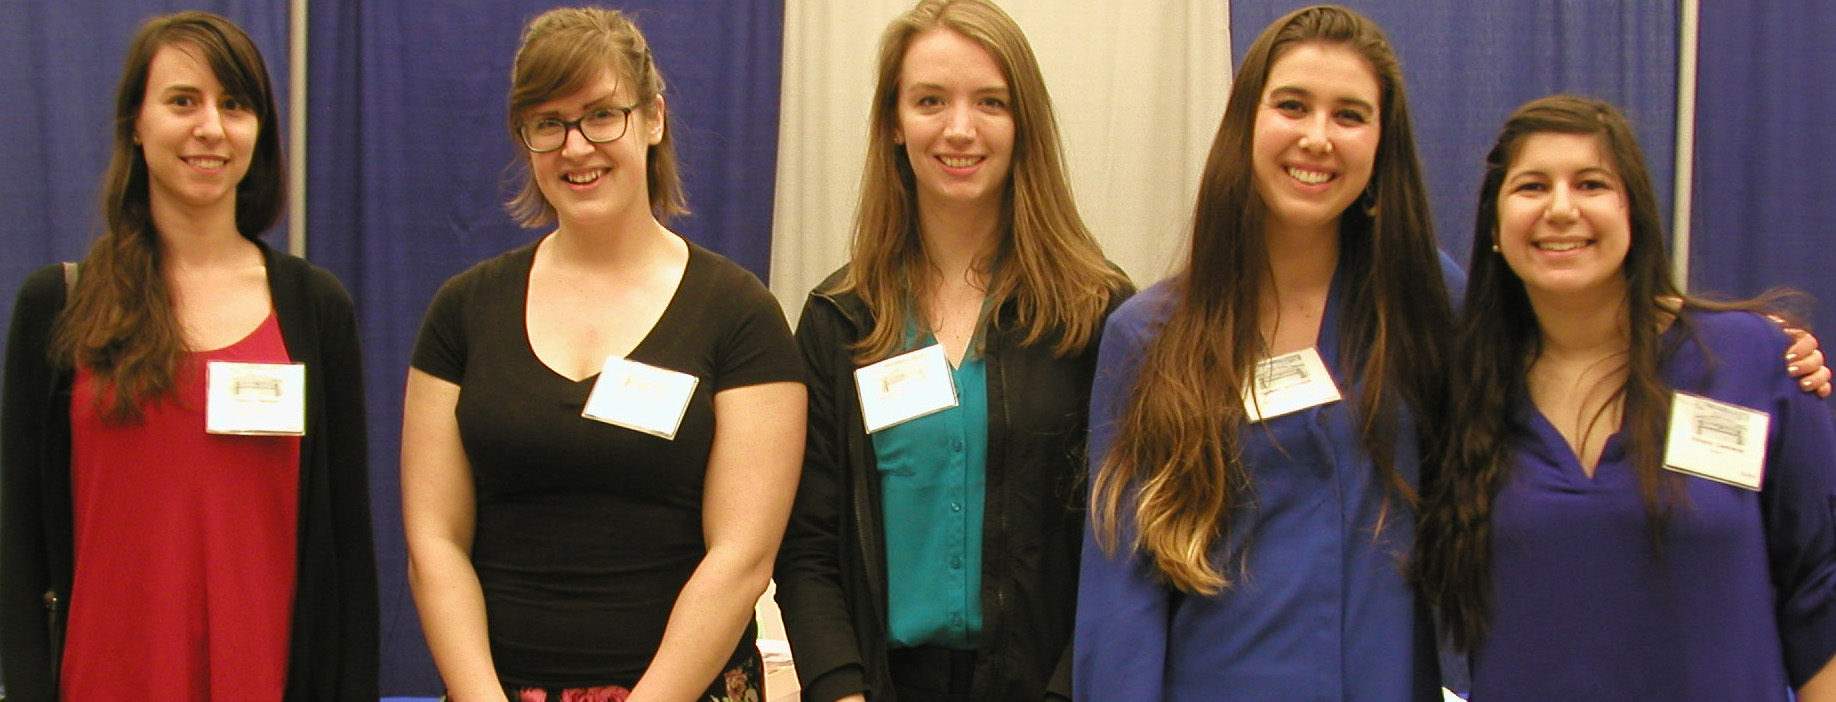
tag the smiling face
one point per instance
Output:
(597, 184)
(197, 140)
(1316, 134)
(955, 121)
(1563, 224)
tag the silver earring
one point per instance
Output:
(1495, 247)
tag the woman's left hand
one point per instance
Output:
(1804, 361)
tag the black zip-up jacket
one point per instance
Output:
(831, 572)
(333, 652)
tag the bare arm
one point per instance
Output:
(439, 510)
(752, 476)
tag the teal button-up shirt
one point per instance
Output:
(933, 476)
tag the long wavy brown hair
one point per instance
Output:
(1176, 469)
(1499, 338)
(120, 322)
(1050, 267)
(563, 51)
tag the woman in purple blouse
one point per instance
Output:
(1636, 500)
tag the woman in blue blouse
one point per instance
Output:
(1636, 504)
(1259, 561)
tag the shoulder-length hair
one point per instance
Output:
(1499, 338)
(563, 51)
(1050, 267)
(120, 323)
(1177, 457)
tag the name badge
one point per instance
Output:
(1715, 440)
(640, 397)
(257, 399)
(1288, 383)
(905, 387)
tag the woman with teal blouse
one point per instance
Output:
(932, 550)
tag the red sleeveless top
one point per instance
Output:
(185, 547)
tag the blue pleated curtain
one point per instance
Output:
(1765, 153)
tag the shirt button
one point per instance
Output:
(956, 506)
(956, 445)
(956, 563)
(956, 619)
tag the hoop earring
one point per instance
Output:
(1368, 200)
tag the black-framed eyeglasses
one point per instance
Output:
(605, 124)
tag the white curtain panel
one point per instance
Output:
(1139, 88)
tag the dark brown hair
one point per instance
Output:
(1176, 461)
(1051, 268)
(563, 51)
(120, 323)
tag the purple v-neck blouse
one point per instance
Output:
(1736, 605)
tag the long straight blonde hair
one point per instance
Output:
(1050, 267)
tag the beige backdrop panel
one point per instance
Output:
(1139, 88)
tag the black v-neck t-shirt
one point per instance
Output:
(586, 531)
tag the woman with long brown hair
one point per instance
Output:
(1247, 525)
(186, 495)
(932, 553)
(1635, 503)
(601, 428)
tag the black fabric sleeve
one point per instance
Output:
(25, 629)
(346, 434)
(440, 347)
(756, 347)
(809, 571)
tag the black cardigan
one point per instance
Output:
(334, 651)
(831, 569)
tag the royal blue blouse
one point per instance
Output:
(1319, 609)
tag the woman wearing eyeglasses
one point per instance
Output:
(602, 428)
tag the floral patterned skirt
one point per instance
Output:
(743, 681)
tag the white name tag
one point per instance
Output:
(261, 399)
(640, 398)
(905, 387)
(1716, 440)
(1288, 383)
